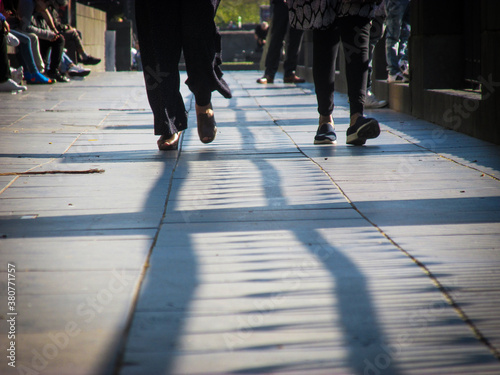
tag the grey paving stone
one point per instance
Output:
(79, 253)
(259, 262)
(54, 329)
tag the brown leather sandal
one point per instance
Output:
(207, 129)
(169, 142)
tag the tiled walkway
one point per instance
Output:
(260, 253)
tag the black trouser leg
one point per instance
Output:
(159, 33)
(55, 49)
(354, 32)
(355, 35)
(57, 52)
(73, 44)
(294, 41)
(279, 28)
(325, 50)
(376, 32)
(201, 45)
(164, 29)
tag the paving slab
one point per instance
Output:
(79, 242)
(260, 253)
(221, 273)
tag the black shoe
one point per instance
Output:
(293, 79)
(325, 134)
(90, 60)
(57, 76)
(363, 129)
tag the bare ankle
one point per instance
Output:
(325, 119)
(207, 109)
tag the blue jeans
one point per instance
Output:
(66, 62)
(376, 32)
(25, 53)
(397, 33)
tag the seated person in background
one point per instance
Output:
(260, 36)
(72, 37)
(25, 57)
(51, 41)
(28, 51)
(6, 83)
(70, 68)
(24, 51)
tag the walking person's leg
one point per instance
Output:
(279, 29)
(201, 43)
(292, 50)
(355, 32)
(159, 33)
(325, 50)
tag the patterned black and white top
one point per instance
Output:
(355, 8)
(320, 14)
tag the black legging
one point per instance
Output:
(165, 28)
(354, 31)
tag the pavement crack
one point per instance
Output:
(434, 279)
(86, 171)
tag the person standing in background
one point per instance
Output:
(396, 39)
(376, 33)
(260, 35)
(280, 28)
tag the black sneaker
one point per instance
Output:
(363, 129)
(325, 134)
(90, 60)
(57, 76)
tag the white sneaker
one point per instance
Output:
(397, 78)
(12, 40)
(371, 102)
(10, 85)
(78, 71)
(405, 68)
(17, 75)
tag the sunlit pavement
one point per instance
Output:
(260, 253)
